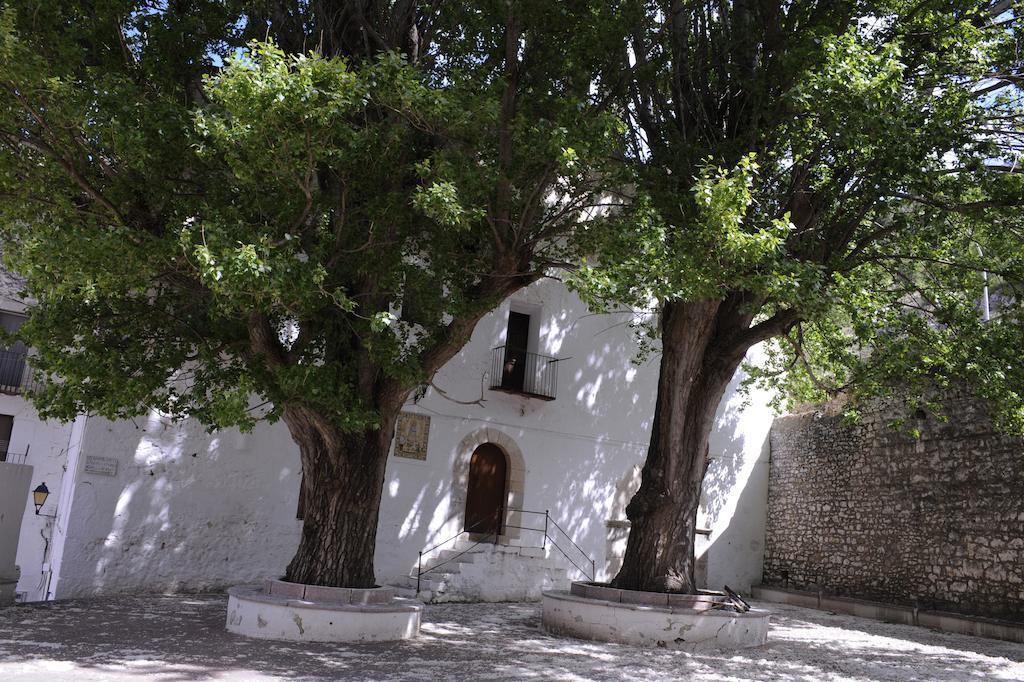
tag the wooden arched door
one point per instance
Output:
(485, 491)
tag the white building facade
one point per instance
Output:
(546, 389)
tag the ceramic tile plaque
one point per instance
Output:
(411, 434)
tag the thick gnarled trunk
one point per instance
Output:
(699, 357)
(343, 476)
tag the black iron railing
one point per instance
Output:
(551, 533)
(13, 457)
(515, 370)
(15, 372)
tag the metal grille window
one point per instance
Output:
(6, 426)
(516, 371)
(13, 367)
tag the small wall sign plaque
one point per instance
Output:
(101, 466)
(412, 431)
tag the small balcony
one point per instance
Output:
(514, 370)
(15, 373)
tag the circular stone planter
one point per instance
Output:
(310, 613)
(686, 622)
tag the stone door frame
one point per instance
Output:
(514, 485)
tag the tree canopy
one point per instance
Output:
(300, 209)
(821, 176)
(203, 218)
(847, 174)
(292, 210)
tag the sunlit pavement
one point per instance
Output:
(183, 638)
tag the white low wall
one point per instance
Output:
(682, 629)
(15, 483)
(253, 613)
(185, 511)
(46, 443)
(895, 613)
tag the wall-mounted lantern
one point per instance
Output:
(39, 496)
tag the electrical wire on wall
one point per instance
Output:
(44, 576)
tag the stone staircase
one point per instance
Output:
(484, 573)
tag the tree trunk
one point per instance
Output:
(343, 476)
(699, 358)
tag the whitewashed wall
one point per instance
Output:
(186, 511)
(192, 511)
(46, 442)
(734, 504)
(734, 501)
(15, 481)
(576, 449)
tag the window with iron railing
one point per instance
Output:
(515, 370)
(6, 427)
(15, 374)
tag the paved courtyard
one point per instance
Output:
(171, 639)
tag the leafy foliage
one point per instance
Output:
(844, 173)
(222, 228)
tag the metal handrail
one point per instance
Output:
(593, 569)
(420, 570)
(428, 550)
(419, 562)
(548, 522)
(569, 538)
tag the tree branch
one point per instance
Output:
(776, 325)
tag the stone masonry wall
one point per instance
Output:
(868, 511)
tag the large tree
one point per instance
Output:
(834, 176)
(302, 228)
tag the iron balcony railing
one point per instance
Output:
(12, 457)
(515, 370)
(15, 372)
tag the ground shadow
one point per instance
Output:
(170, 639)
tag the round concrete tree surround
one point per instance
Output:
(686, 622)
(309, 613)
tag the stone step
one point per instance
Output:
(431, 583)
(449, 555)
(439, 591)
(466, 549)
(481, 563)
(467, 571)
(462, 545)
(510, 544)
(532, 552)
(405, 592)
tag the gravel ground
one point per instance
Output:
(171, 639)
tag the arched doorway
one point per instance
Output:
(486, 490)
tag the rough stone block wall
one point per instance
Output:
(868, 511)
